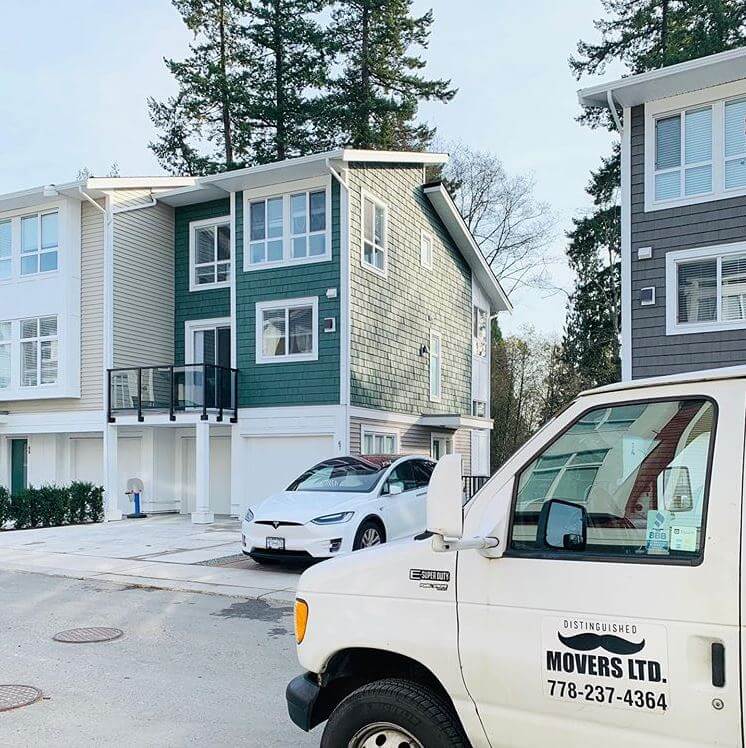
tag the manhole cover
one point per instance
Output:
(83, 636)
(14, 696)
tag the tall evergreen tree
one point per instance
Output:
(292, 59)
(644, 35)
(373, 102)
(203, 128)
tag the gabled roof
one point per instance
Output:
(447, 211)
(693, 75)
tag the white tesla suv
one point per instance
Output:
(340, 505)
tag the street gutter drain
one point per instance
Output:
(15, 696)
(85, 636)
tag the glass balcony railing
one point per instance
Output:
(191, 388)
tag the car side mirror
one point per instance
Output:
(445, 513)
(394, 489)
(562, 526)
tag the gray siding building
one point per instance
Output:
(683, 214)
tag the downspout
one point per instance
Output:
(344, 305)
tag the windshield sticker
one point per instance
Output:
(615, 663)
(436, 579)
(657, 532)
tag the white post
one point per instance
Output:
(5, 462)
(202, 514)
(111, 474)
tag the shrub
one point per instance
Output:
(53, 502)
(25, 509)
(4, 506)
(91, 501)
(78, 502)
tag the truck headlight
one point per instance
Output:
(249, 515)
(333, 519)
(301, 619)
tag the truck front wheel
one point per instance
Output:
(393, 713)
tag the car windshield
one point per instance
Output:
(342, 474)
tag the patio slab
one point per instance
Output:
(162, 551)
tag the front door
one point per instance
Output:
(213, 346)
(18, 466)
(440, 445)
(605, 620)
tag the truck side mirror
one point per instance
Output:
(562, 526)
(445, 512)
(677, 489)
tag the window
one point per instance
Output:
(38, 351)
(735, 144)
(479, 408)
(480, 323)
(308, 224)
(379, 442)
(374, 235)
(39, 243)
(426, 249)
(6, 234)
(287, 229)
(5, 354)
(706, 289)
(435, 366)
(402, 478)
(287, 330)
(440, 445)
(210, 251)
(423, 471)
(340, 475)
(637, 473)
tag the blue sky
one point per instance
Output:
(76, 97)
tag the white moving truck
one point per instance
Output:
(589, 594)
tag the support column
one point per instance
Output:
(202, 514)
(111, 473)
(5, 462)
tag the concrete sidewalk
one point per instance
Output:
(166, 552)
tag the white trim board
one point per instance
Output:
(626, 247)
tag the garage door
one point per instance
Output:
(271, 463)
(220, 474)
(88, 460)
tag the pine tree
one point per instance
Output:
(373, 102)
(209, 108)
(292, 57)
(644, 35)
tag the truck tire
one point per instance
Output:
(393, 713)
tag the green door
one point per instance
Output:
(18, 465)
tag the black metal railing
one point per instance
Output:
(472, 483)
(190, 388)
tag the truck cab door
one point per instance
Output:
(613, 616)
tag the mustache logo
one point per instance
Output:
(613, 644)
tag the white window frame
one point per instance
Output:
(38, 340)
(9, 345)
(673, 260)
(474, 309)
(205, 223)
(368, 430)
(474, 408)
(286, 304)
(435, 393)
(196, 325)
(425, 260)
(365, 195)
(285, 191)
(717, 97)
(440, 436)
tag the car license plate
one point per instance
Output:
(275, 544)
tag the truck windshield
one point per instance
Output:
(342, 474)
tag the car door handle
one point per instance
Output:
(421, 493)
(718, 664)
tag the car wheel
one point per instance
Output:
(393, 713)
(369, 533)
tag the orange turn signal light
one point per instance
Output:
(301, 619)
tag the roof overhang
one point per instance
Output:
(685, 77)
(454, 421)
(215, 186)
(446, 209)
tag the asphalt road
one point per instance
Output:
(191, 669)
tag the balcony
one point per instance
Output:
(204, 389)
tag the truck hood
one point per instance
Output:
(401, 569)
(303, 506)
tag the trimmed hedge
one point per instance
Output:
(51, 506)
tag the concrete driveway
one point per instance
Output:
(162, 551)
(190, 670)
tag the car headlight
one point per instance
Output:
(249, 515)
(333, 519)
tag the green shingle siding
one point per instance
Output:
(391, 317)
(289, 383)
(190, 305)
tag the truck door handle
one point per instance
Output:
(718, 664)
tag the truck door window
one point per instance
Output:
(640, 472)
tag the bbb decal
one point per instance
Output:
(615, 663)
